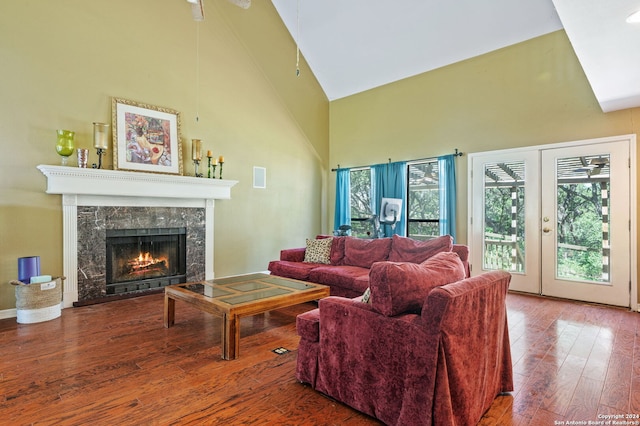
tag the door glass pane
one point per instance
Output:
(582, 229)
(504, 209)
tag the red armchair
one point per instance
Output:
(443, 365)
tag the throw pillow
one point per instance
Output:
(405, 249)
(367, 295)
(398, 287)
(364, 253)
(318, 251)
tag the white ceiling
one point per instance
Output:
(356, 45)
(608, 48)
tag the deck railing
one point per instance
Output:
(502, 252)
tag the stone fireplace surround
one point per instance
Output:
(96, 199)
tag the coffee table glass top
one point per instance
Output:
(246, 288)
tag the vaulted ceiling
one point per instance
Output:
(356, 45)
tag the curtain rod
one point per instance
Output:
(456, 154)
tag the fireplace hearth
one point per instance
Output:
(143, 259)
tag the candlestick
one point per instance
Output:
(196, 149)
(196, 164)
(100, 152)
(221, 160)
(209, 166)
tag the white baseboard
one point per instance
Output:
(8, 313)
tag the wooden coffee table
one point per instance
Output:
(235, 297)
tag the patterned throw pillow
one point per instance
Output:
(367, 295)
(318, 251)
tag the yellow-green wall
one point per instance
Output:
(531, 93)
(62, 61)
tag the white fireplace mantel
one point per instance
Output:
(100, 182)
(99, 187)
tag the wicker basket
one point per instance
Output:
(38, 302)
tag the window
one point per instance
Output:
(361, 202)
(423, 200)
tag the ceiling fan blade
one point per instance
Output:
(599, 162)
(245, 4)
(587, 169)
(197, 10)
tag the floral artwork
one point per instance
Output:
(146, 138)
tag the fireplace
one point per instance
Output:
(95, 201)
(142, 259)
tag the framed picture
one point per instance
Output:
(146, 138)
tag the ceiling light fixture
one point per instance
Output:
(298, 38)
(634, 18)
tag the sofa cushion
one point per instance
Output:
(398, 287)
(318, 251)
(295, 270)
(405, 249)
(364, 253)
(337, 250)
(351, 277)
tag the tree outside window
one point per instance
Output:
(423, 200)
(361, 202)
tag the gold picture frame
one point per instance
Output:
(146, 138)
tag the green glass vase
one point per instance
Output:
(65, 144)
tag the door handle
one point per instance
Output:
(546, 230)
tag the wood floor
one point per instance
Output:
(116, 364)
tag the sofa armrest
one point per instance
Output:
(293, 255)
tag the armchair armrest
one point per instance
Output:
(293, 255)
(368, 360)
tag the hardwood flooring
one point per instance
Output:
(116, 364)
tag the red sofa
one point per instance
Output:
(345, 268)
(420, 353)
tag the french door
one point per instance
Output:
(557, 218)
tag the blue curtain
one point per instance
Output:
(390, 181)
(447, 189)
(342, 214)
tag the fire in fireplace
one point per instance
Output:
(142, 259)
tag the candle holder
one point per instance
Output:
(100, 133)
(196, 164)
(196, 154)
(65, 144)
(211, 169)
(100, 152)
(221, 163)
